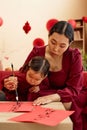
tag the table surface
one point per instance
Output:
(5, 124)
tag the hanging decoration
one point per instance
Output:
(26, 27)
(38, 42)
(72, 22)
(84, 18)
(50, 23)
(1, 21)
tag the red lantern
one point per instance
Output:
(1, 21)
(26, 27)
(38, 42)
(72, 22)
(50, 23)
(84, 18)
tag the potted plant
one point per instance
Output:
(85, 61)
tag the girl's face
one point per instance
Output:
(34, 78)
(58, 44)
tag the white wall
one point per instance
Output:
(14, 43)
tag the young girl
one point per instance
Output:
(36, 76)
(30, 83)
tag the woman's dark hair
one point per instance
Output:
(39, 64)
(63, 27)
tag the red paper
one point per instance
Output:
(5, 107)
(13, 107)
(25, 107)
(44, 116)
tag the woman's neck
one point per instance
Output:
(54, 60)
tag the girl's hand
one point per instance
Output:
(11, 83)
(47, 99)
(34, 89)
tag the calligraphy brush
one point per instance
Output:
(16, 88)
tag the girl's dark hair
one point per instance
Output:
(39, 64)
(63, 27)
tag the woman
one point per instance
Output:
(65, 76)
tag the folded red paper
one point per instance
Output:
(44, 116)
(14, 107)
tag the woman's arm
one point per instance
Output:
(74, 82)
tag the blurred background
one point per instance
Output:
(15, 42)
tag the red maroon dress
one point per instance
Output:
(67, 82)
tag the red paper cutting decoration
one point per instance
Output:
(38, 42)
(1, 21)
(26, 27)
(72, 22)
(50, 23)
(84, 18)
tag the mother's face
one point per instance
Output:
(58, 44)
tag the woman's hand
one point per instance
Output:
(34, 89)
(47, 99)
(11, 83)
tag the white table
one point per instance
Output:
(66, 124)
